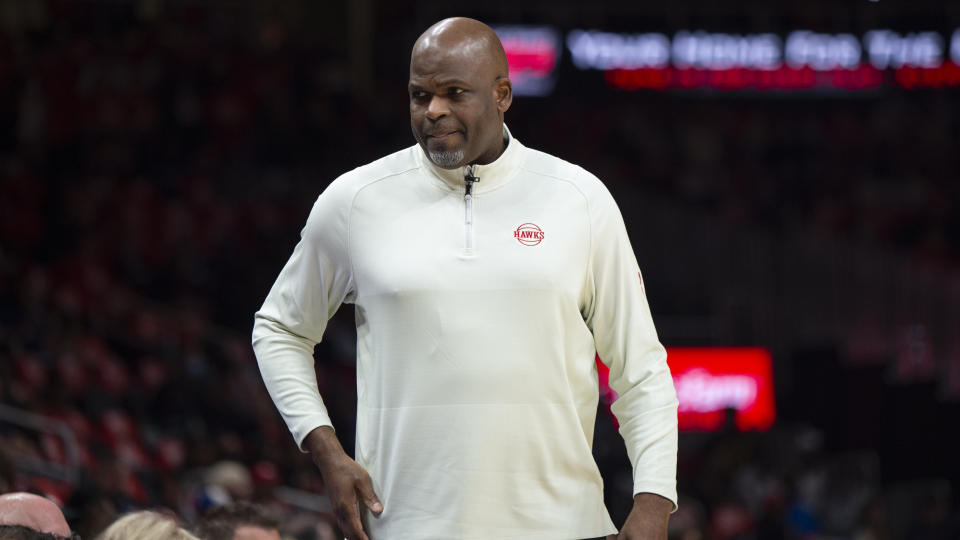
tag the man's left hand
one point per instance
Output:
(647, 520)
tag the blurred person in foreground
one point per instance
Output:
(485, 276)
(25, 515)
(145, 525)
(237, 521)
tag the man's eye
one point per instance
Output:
(418, 95)
(455, 91)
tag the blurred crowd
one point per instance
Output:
(28, 516)
(157, 160)
(880, 169)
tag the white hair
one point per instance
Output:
(145, 525)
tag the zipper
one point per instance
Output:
(468, 180)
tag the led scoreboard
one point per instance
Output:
(801, 60)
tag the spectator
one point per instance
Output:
(145, 525)
(33, 512)
(238, 521)
(231, 480)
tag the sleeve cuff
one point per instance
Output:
(667, 491)
(306, 425)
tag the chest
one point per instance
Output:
(526, 235)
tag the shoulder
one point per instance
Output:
(345, 187)
(583, 181)
(333, 206)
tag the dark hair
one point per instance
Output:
(220, 522)
(19, 532)
(8, 475)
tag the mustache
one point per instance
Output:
(440, 130)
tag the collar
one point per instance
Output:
(492, 175)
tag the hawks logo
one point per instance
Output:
(528, 234)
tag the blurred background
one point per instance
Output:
(789, 173)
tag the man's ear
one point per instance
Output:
(503, 94)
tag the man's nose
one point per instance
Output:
(437, 108)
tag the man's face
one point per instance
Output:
(454, 109)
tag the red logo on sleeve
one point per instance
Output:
(528, 234)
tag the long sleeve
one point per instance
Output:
(619, 317)
(314, 282)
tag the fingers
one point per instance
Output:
(348, 519)
(348, 516)
(370, 499)
(347, 484)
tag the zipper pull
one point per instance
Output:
(469, 179)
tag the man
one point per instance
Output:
(485, 275)
(25, 515)
(237, 521)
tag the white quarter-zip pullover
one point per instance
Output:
(478, 314)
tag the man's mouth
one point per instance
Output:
(441, 134)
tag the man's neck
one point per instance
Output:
(504, 142)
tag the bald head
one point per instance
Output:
(33, 511)
(469, 39)
(459, 90)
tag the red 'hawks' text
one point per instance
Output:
(533, 235)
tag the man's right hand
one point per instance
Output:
(346, 481)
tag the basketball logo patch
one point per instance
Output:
(528, 234)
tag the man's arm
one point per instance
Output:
(313, 284)
(617, 313)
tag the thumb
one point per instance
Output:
(370, 499)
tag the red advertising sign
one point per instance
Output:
(711, 380)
